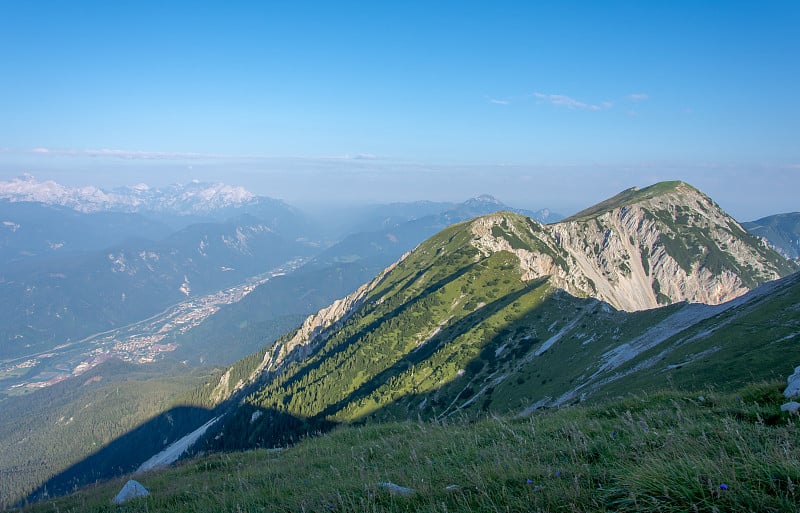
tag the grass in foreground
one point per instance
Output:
(661, 452)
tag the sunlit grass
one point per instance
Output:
(662, 452)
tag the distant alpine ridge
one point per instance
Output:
(782, 231)
(190, 199)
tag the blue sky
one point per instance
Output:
(544, 104)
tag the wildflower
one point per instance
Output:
(613, 434)
(558, 473)
(723, 486)
(530, 481)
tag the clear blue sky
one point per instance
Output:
(554, 104)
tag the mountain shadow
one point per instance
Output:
(252, 427)
(126, 453)
(427, 350)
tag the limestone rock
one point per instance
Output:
(396, 489)
(791, 407)
(793, 390)
(132, 490)
(642, 255)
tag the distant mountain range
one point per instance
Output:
(781, 230)
(190, 199)
(377, 218)
(51, 301)
(279, 305)
(382, 243)
(77, 261)
(81, 260)
(30, 230)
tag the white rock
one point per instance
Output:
(132, 490)
(793, 390)
(396, 489)
(791, 407)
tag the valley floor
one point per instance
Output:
(667, 451)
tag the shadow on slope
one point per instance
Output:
(428, 349)
(126, 453)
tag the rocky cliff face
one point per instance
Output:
(648, 250)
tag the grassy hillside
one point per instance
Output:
(698, 451)
(46, 432)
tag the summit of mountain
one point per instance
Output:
(633, 196)
(664, 243)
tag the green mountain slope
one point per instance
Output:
(47, 431)
(503, 314)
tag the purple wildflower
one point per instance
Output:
(723, 486)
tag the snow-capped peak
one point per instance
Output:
(193, 198)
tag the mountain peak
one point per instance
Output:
(635, 195)
(638, 250)
(483, 200)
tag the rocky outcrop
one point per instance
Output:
(792, 391)
(316, 328)
(793, 385)
(132, 490)
(674, 246)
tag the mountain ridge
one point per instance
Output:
(482, 284)
(782, 231)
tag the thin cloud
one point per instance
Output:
(495, 101)
(126, 154)
(177, 155)
(347, 156)
(561, 100)
(122, 154)
(638, 97)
